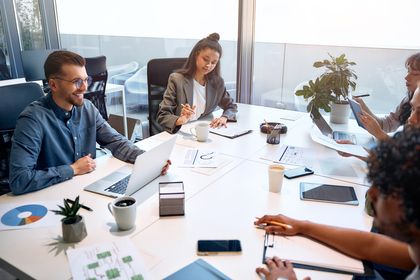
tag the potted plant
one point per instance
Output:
(73, 225)
(332, 87)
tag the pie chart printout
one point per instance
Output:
(24, 215)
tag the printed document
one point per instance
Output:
(293, 156)
(200, 158)
(330, 143)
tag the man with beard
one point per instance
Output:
(55, 136)
(394, 171)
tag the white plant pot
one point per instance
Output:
(340, 113)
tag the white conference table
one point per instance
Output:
(220, 205)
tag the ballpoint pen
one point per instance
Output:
(81, 205)
(277, 223)
(363, 95)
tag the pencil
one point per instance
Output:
(267, 126)
(277, 223)
(363, 95)
(183, 106)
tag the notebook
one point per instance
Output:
(327, 130)
(127, 180)
(230, 131)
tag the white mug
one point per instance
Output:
(275, 177)
(124, 210)
(202, 131)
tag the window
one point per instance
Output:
(131, 32)
(291, 35)
(30, 25)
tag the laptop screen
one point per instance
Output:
(322, 124)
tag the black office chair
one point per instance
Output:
(96, 68)
(4, 70)
(14, 99)
(158, 71)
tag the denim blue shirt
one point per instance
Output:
(48, 139)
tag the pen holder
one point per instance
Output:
(273, 137)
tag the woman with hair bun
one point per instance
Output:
(197, 89)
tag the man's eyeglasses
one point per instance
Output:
(78, 82)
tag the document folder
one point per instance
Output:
(200, 269)
(307, 253)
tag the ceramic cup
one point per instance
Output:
(201, 131)
(275, 177)
(124, 210)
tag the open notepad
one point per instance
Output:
(230, 131)
(308, 253)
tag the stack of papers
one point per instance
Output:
(171, 198)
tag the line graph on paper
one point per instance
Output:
(111, 260)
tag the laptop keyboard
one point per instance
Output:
(341, 136)
(120, 186)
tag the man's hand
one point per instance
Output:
(296, 225)
(277, 269)
(83, 165)
(218, 122)
(165, 169)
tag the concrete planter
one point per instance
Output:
(74, 232)
(340, 113)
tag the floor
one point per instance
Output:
(6, 276)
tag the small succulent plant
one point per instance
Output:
(69, 212)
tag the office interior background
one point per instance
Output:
(269, 46)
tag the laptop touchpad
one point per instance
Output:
(114, 176)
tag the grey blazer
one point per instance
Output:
(180, 91)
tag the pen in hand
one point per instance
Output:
(276, 223)
(81, 205)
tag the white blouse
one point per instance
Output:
(199, 100)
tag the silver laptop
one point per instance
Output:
(127, 180)
(327, 130)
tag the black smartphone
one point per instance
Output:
(297, 172)
(214, 247)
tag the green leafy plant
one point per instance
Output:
(69, 212)
(332, 86)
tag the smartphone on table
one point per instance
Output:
(297, 172)
(215, 247)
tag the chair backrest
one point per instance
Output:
(96, 68)
(14, 98)
(4, 70)
(158, 71)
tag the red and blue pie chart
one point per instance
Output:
(24, 215)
